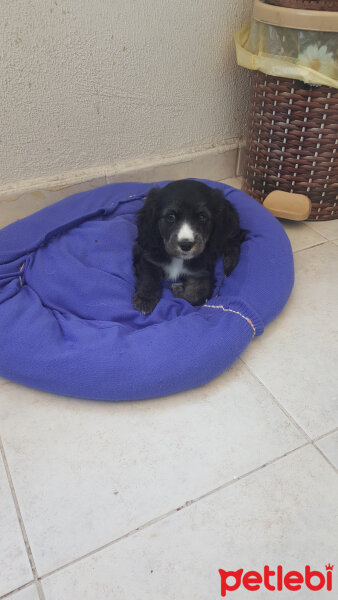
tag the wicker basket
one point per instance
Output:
(292, 142)
(306, 4)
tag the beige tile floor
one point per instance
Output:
(148, 500)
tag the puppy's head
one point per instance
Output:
(182, 216)
(185, 218)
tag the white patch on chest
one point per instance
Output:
(186, 233)
(175, 269)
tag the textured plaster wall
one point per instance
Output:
(89, 83)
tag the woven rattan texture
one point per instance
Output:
(292, 142)
(306, 4)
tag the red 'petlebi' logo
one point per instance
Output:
(276, 580)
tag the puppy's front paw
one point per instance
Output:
(190, 292)
(145, 304)
(178, 289)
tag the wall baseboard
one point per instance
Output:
(213, 163)
(25, 197)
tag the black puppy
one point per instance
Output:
(183, 229)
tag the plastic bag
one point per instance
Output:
(311, 56)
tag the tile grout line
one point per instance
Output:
(310, 247)
(21, 523)
(312, 441)
(280, 406)
(323, 435)
(306, 223)
(18, 589)
(173, 511)
(325, 457)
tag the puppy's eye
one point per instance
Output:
(170, 218)
(202, 218)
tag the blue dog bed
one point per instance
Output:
(67, 323)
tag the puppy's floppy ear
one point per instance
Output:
(226, 223)
(149, 236)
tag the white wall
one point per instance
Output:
(88, 83)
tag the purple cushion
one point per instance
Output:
(66, 317)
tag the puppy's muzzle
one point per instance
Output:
(186, 245)
(185, 248)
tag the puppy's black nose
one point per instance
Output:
(185, 245)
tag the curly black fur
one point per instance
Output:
(213, 227)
